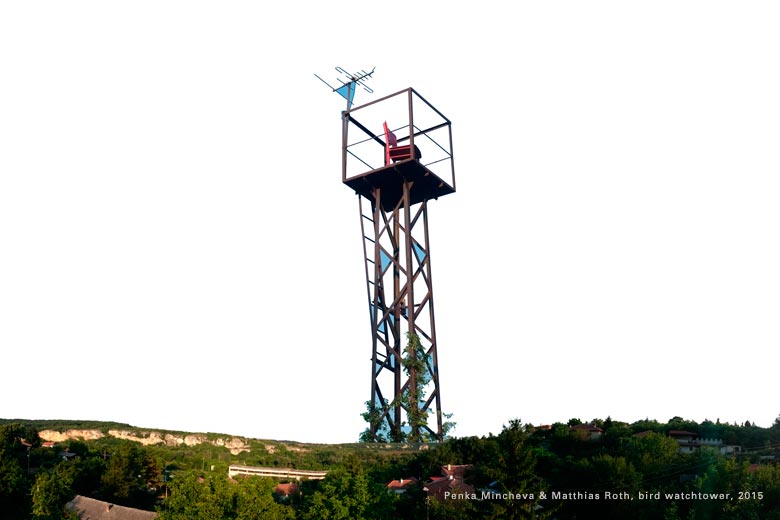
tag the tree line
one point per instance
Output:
(629, 470)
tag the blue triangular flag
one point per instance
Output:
(347, 92)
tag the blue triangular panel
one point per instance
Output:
(347, 92)
(384, 258)
(419, 252)
(381, 325)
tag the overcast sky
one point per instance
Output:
(177, 249)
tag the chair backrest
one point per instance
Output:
(390, 142)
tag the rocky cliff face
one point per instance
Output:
(234, 444)
(55, 436)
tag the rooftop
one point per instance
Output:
(91, 509)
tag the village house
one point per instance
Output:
(401, 485)
(588, 432)
(451, 483)
(285, 490)
(690, 442)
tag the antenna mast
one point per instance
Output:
(348, 87)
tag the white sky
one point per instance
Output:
(177, 249)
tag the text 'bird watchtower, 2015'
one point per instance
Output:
(397, 156)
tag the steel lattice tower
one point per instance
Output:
(397, 156)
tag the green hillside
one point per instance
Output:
(596, 469)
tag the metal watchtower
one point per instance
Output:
(397, 156)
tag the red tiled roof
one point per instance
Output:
(455, 470)
(438, 488)
(287, 489)
(586, 428)
(401, 483)
(681, 433)
(452, 481)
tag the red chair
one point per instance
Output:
(395, 153)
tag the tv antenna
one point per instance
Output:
(348, 87)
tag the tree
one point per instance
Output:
(193, 498)
(599, 474)
(254, 500)
(651, 453)
(214, 497)
(450, 509)
(513, 469)
(12, 434)
(373, 416)
(52, 490)
(347, 495)
(416, 365)
(131, 477)
(14, 485)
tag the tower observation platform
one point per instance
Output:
(397, 156)
(417, 125)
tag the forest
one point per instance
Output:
(679, 469)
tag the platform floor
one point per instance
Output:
(390, 179)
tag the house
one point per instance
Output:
(588, 432)
(690, 442)
(451, 484)
(724, 449)
(285, 473)
(90, 509)
(401, 485)
(456, 471)
(685, 439)
(284, 491)
(67, 455)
